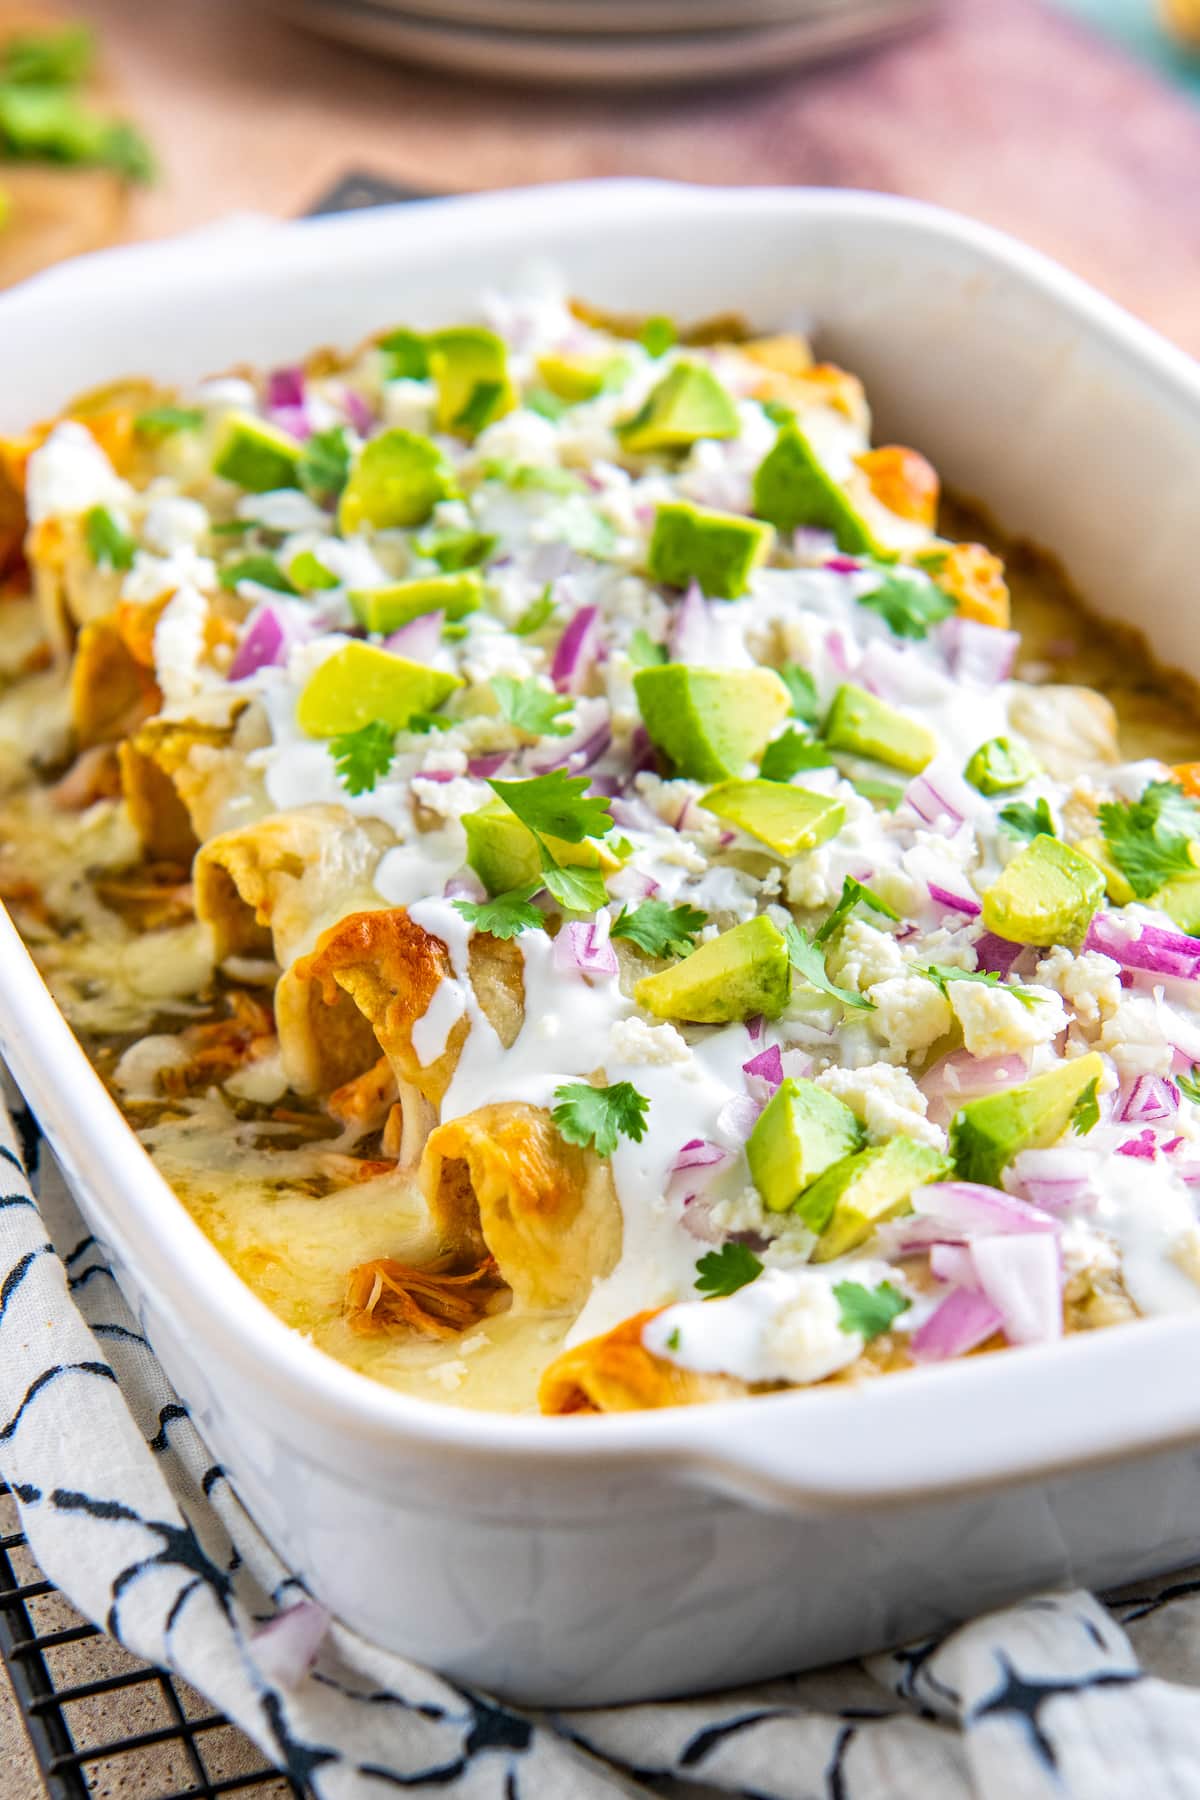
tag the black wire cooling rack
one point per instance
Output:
(65, 1671)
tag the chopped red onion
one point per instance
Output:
(357, 411)
(436, 775)
(766, 1067)
(1151, 1097)
(953, 1264)
(963, 903)
(265, 644)
(962, 1210)
(995, 954)
(835, 649)
(962, 1321)
(585, 746)
(755, 1026)
(961, 1076)
(737, 1118)
(547, 562)
(700, 1153)
(294, 420)
(285, 387)
(630, 884)
(420, 640)
(1145, 947)
(576, 651)
(484, 766)
(466, 885)
(1056, 1180)
(941, 798)
(796, 1065)
(811, 545)
(690, 633)
(1144, 1146)
(980, 653)
(285, 1648)
(843, 565)
(635, 815)
(1022, 1277)
(583, 948)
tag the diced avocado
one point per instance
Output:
(786, 819)
(862, 723)
(999, 766)
(397, 479)
(986, 1134)
(576, 378)
(710, 722)
(688, 404)
(1046, 895)
(1116, 883)
(801, 1133)
(717, 549)
(257, 456)
(860, 1192)
(360, 683)
(1180, 900)
(387, 608)
(744, 971)
(307, 572)
(470, 368)
(504, 853)
(791, 488)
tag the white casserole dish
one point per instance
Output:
(616, 1558)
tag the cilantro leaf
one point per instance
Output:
(1022, 820)
(544, 402)
(941, 974)
(362, 757)
(539, 612)
(548, 478)
(557, 805)
(425, 722)
(531, 707)
(49, 59)
(307, 571)
(1086, 1111)
(163, 421)
(481, 404)
(809, 962)
(659, 929)
(1189, 1084)
(853, 892)
(109, 545)
(779, 412)
(673, 1339)
(505, 915)
(456, 550)
(325, 464)
(803, 689)
(658, 335)
(50, 123)
(869, 1311)
(643, 652)
(600, 1115)
(578, 890)
(722, 1272)
(792, 751)
(407, 355)
(1150, 839)
(908, 604)
(261, 569)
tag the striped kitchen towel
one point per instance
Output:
(1060, 1698)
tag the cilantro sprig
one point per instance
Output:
(1190, 1084)
(1086, 1111)
(659, 929)
(164, 421)
(505, 915)
(532, 708)
(853, 894)
(942, 974)
(539, 612)
(559, 806)
(722, 1272)
(808, 960)
(908, 604)
(324, 464)
(260, 568)
(1020, 819)
(109, 545)
(792, 751)
(1151, 839)
(600, 1116)
(363, 757)
(803, 690)
(869, 1311)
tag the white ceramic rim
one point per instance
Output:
(1019, 1415)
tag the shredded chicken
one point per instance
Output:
(149, 897)
(435, 1301)
(223, 1045)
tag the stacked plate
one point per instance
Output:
(609, 43)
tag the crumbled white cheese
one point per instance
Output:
(408, 405)
(173, 522)
(633, 1041)
(1133, 1036)
(863, 956)
(886, 1099)
(910, 1013)
(994, 1021)
(1090, 982)
(69, 474)
(179, 645)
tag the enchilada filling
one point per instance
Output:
(578, 881)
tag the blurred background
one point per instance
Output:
(1074, 123)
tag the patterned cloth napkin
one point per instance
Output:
(1060, 1698)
